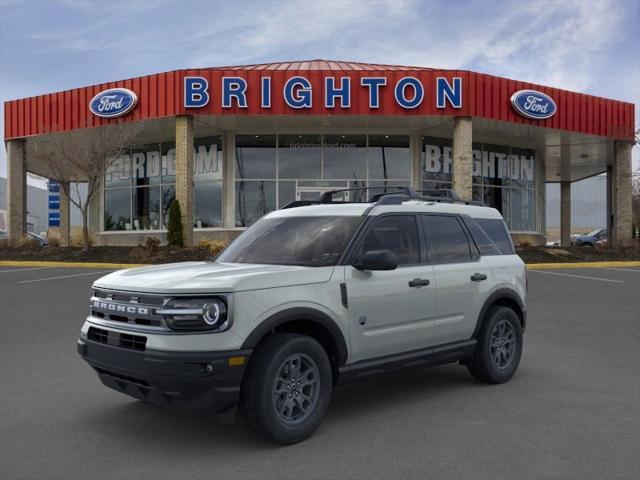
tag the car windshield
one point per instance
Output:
(594, 233)
(304, 241)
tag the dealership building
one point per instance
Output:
(233, 143)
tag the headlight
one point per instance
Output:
(196, 314)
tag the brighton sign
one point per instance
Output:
(533, 104)
(408, 92)
(113, 103)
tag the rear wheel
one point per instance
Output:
(287, 389)
(499, 346)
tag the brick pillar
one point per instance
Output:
(228, 180)
(65, 218)
(16, 191)
(621, 195)
(415, 147)
(565, 213)
(184, 174)
(462, 157)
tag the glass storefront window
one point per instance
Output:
(344, 156)
(502, 177)
(207, 178)
(300, 156)
(436, 160)
(146, 208)
(146, 165)
(151, 171)
(117, 205)
(389, 157)
(522, 167)
(168, 194)
(522, 210)
(253, 200)
(256, 156)
(118, 174)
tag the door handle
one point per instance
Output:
(418, 282)
(478, 277)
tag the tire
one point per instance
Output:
(279, 410)
(497, 364)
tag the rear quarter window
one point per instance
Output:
(497, 231)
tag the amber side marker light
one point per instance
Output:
(236, 361)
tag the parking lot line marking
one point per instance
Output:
(637, 270)
(23, 269)
(579, 276)
(65, 276)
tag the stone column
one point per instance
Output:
(462, 157)
(184, 174)
(621, 193)
(65, 218)
(415, 147)
(565, 213)
(16, 191)
(228, 180)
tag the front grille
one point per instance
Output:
(122, 340)
(128, 308)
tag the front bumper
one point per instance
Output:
(193, 381)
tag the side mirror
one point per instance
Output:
(377, 260)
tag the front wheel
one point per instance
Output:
(499, 346)
(287, 388)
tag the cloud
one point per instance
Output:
(583, 45)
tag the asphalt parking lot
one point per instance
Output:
(571, 412)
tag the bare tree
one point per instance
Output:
(82, 156)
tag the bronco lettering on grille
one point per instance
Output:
(117, 307)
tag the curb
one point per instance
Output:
(18, 263)
(550, 266)
(530, 266)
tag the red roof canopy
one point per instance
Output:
(161, 95)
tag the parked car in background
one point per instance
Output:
(590, 239)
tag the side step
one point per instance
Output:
(427, 357)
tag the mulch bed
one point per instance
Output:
(577, 254)
(172, 254)
(105, 254)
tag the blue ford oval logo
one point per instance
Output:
(533, 104)
(114, 102)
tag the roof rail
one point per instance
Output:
(397, 196)
(327, 197)
(447, 195)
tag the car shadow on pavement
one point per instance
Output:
(135, 421)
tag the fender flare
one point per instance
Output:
(501, 293)
(300, 313)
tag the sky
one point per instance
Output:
(581, 45)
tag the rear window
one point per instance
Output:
(485, 245)
(498, 233)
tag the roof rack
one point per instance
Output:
(447, 195)
(399, 195)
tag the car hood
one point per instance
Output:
(211, 277)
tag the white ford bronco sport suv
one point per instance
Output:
(312, 295)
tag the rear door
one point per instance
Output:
(462, 278)
(391, 311)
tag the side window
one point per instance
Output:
(483, 242)
(398, 233)
(498, 233)
(449, 243)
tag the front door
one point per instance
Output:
(391, 311)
